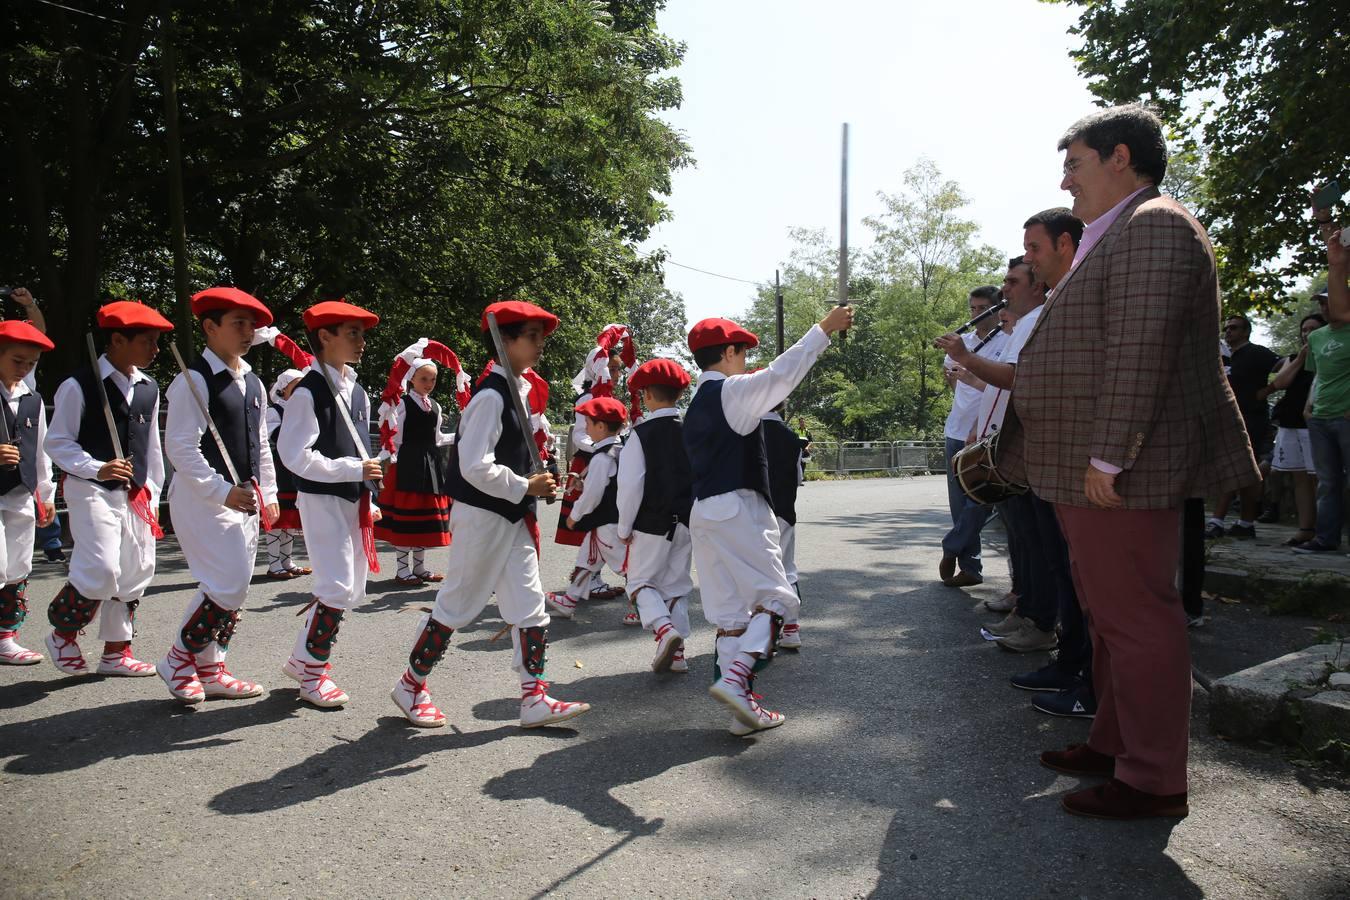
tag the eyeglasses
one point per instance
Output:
(1072, 166)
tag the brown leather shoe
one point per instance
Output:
(947, 568)
(963, 579)
(1079, 759)
(1117, 800)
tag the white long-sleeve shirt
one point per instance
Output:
(598, 473)
(184, 427)
(46, 488)
(581, 440)
(425, 402)
(479, 430)
(748, 398)
(62, 442)
(300, 429)
(632, 475)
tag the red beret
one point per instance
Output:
(131, 314)
(715, 332)
(231, 298)
(335, 312)
(20, 332)
(658, 371)
(510, 311)
(606, 409)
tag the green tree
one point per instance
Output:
(422, 156)
(655, 315)
(1259, 87)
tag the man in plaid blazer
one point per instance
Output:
(1124, 413)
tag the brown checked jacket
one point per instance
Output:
(1124, 366)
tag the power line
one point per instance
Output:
(83, 12)
(667, 260)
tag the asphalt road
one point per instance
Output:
(907, 766)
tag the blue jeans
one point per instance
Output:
(968, 518)
(1331, 457)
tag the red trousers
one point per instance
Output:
(1124, 565)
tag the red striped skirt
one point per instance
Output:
(576, 468)
(411, 518)
(289, 517)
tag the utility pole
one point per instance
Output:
(174, 151)
(843, 225)
(778, 308)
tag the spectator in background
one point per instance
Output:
(1249, 367)
(1293, 447)
(961, 545)
(1329, 424)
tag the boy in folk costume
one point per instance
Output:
(110, 502)
(496, 536)
(223, 491)
(596, 512)
(26, 487)
(280, 540)
(744, 587)
(614, 353)
(334, 478)
(654, 498)
(413, 500)
(785, 451)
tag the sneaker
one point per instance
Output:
(1078, 703)
(560, 604)
(316, 688)
(122, 664)
(1047, 679)
(1244, 532)
(963, 579)
(1010, 624)
(1316, 545)
(66, 655)
(1270, 515)
(767, 719)
(1029, 639)
(54, 556)
(1005, 604)
(791, 637)
(414, 702)
(11, 654)
(678, 664)
(1213, 531)
(538, 709)
(179, 671)
(218, 681)
(733, 690)
(1194, 621)
(668, 640)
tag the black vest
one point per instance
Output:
(335, 440)
(667, 488)
(136, 425)
(22, 431)
(237, 419)
(512, 450)
(720, 459)
(285, 480)
(607, 511)
(419, 466)
(785, 453)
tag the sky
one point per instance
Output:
(984, 88)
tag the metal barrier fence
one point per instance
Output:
(842, 458)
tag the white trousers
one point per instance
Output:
(114, 555)
(18, 518)
(740, 565)
(658, 573)
(787, 542)
(601, 547)
(489, 555)
(221, 546)
(333, 539)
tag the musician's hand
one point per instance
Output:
(571, 524)
(371, 470)
(9, 454)
(115, 470)
(954, 346)
(242, 499)
(273, 511)
(541, 485)
(965, 376)
(1100, 488)
(376, 514)
(839, 319)
(46, 512)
